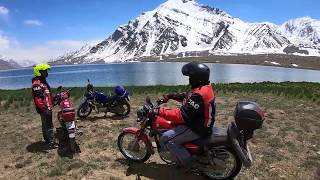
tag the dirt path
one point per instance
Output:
(287, 147)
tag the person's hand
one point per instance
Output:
(153, 112)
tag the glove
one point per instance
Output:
(153, 112)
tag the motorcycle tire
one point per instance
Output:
(128, 156)
(86, 114)
(127, 106)
(235, 170)
(72, 145)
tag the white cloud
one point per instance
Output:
(4, 11)
(39, 53)
(33, 22)
(4, 42)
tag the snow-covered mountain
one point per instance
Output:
(6, 63)
(304, 31)
(26, 63)
(179, 26)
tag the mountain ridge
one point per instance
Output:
(182, 26)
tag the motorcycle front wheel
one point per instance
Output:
(132, 148)
(84, 112)
(226, 165)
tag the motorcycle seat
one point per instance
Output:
(68, 110)
(219, 136)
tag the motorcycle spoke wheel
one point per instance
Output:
(123, 109)
(166, 157)
(132, 148)
(225, 165)
(84, 112)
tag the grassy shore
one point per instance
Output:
(302, 90)
(287, 147)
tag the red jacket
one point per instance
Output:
(41, 94)
(197, 111)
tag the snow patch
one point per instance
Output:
(275, 63)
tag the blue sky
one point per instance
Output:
(40, 29)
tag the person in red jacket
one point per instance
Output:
(196, 115)
(43, 101)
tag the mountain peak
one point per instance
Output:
(178, 4)
(179, 1)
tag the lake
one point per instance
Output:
(152, 74)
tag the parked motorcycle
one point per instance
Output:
(219, 156)
(100, 102)
(66, 116)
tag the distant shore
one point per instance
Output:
(278, 60)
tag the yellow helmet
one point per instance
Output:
(40, 67)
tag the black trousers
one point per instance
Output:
(47, 127)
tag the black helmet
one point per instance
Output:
(198, 73)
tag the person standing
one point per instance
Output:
(43, 101)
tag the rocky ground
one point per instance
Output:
(287, 147)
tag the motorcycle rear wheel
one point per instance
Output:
(126, 107)
(130, 147)
(210, 173)
(83, 113)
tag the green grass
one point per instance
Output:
(301, 90)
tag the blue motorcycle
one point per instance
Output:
(118, 103)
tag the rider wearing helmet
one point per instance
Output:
(43, 101)
(196, 114)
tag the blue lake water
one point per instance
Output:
(152, 74)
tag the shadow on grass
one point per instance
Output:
(107, 117)
(92, 118)
(116, 117)
(156, 171)
(37, 147)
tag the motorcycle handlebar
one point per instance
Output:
(160, 101)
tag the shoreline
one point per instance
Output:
(275, 60)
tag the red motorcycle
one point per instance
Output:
(219, 156)
(66, 116)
